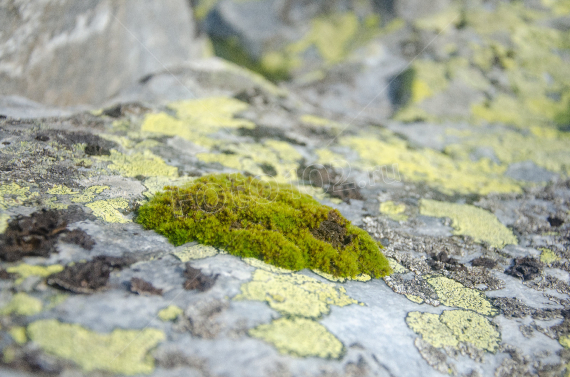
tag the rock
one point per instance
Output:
(70, 53)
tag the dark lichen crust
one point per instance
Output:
(272, 222)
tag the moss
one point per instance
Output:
(121, 351)
(108, 210)
(299, 337)
(25, 270)
(453, 327)
(272, 222)
(22, 304)
(452, 293)
(471, 221)
(294, 294)
(170, 313)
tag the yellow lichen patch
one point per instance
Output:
(53, 203)
(416, 299)
(453, 327)
(121, 351)
(397, 267)
(393, 210)
(471, 221)
(361, 277)
(429, 79)
(452, 293)
(314, 120)
(254, 262)
(294, 294)
(281, 156)
(22, 304)
(89, 194)
(139, 164)
(12, 195)
(198, 118)
(4, 218)
(426, 165)
(156, 184)
(170, 313)
(25, 270)
(61, 190)
(108, 209)
(431, 329)
(299, 337)
(548, 256)
(195, 252)
(564, 340)
(18, 333)
(472, 328)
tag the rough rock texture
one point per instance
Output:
(78, 53)
(464, 177)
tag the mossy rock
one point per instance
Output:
(275, 223)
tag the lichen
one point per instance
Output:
(299, 337)
(437, 169)
(108, 209)
(471, 221)
(195, 252)
(170, 313)
(452, 293)
(453, 327)
(548, 256)
(121, 351)
(22, 304)
(248, 217)
(144, 164)
(393, 210)
(24, 270)
(61, 190)
(18, 334)
(89, 194)
(196, 119)
(294, 294)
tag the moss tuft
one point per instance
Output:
(271, 222)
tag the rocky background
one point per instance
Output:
(441, 127)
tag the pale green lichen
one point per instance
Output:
(170, 313)
(361, 277)
(455, 294)
(144, 164)
(471, 221)
(300, 337)
(189, 253)
(89, 194)
(548, 256)
(4, 218)
(12, 195)
(453, 327)
(121, 351)
(397, 267)
(108, 209)
(294, 294)
(22, 304)
(18, 334)
(416, 299)
(25, 270)
(427, 165)
(196, 119)
(61, 190)
(393, 210)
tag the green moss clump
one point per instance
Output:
(274, 223)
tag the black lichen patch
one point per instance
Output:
(5, 275)
(195, 279)
(33, 235)
(526, 268)
(330, 180)
(143, 287)
(484, 262)
(555, 221)
(88, 277)
(252, 218)
(263, 132)
(79, 237)
(512, 307)
(268, 169)
(442, 261)
(96, 150)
